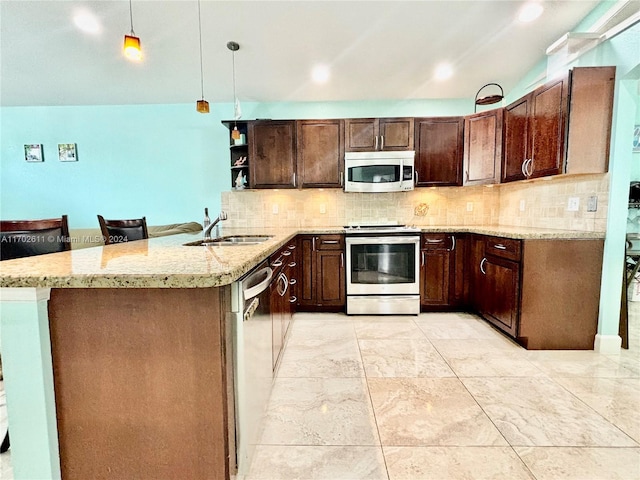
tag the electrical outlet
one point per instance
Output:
(592, 204)
(573, 205)
(274, 209)
(522, 204)
(469, 206)
(323, 208)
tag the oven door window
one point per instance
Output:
(383, 264)
(374, 173)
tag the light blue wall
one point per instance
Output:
(166, 162)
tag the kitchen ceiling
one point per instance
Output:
(376, 50)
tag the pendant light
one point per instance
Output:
(132, 43)
(237, 112)
(202, 105)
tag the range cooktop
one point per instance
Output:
(351, 229)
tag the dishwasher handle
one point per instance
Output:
(257, 289)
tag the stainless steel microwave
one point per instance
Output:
(379, 171)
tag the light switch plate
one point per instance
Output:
(323, 208)
(573, 205)
(274, 209)
(469, 206)
(592, 204)
(522, 204)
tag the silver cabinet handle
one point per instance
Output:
(329, 242)
(341, 179)
(341, 260)
(524, 162)
(500, 246)
(291, 247)
(293, 281)
(277, 263)
(481, 264)
(467, 175)
(292, 264)
(294, 179)
(422, 263)
(530, 164)
(293, 299)
(433, 240)
(376, 145)
(453, 243)
(313, 243)
(415, 178)
(381, 142)
(286, 253)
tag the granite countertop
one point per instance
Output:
(166, 263)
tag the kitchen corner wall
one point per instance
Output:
(545, 202)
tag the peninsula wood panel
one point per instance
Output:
(140, 383)
(560, 294)
(590, 114)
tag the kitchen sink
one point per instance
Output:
(231, 240)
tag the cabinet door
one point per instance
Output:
(320, 153)
(435, 270)
(502, 283)
(516, 139)
(439, 146)
(330, 282)
(361, 134)
(483, 147)
(476, 275)
(548, 127)
(306, 280)
(395, 134)
(272, 158)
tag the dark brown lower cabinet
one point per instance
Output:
(442, 265)
(543, 293)
(283, 296)
(321, 286)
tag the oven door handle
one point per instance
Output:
(382, 240)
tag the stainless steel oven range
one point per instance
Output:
(383, 271)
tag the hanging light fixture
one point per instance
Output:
(132, 43)
(237, 112)
(202, 105)
(489, 99)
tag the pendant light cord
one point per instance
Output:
(131, 18)
(233, 67)
(201, 70)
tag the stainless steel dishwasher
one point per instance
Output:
(251, 317)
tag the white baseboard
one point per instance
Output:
(608, 344)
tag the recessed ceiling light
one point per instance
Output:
(87, 22)
(320, 74)
(443, 71)
(530, 11)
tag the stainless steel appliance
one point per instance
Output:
(251, 319)
(383, 271)
(379, 171)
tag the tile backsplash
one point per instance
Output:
(545, 203)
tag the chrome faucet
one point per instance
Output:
(207, 232)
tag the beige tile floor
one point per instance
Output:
(442, 396)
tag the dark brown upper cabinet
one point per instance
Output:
(320, 153)
(272, 154)
(535, 130)
(482, 147)
(369, 134)
(439, 143)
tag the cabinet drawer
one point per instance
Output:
(329, 242)
(436, 241)
(503, 248)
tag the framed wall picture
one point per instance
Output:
(33, 153)
(67, 152)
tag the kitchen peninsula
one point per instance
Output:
(118, 360)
